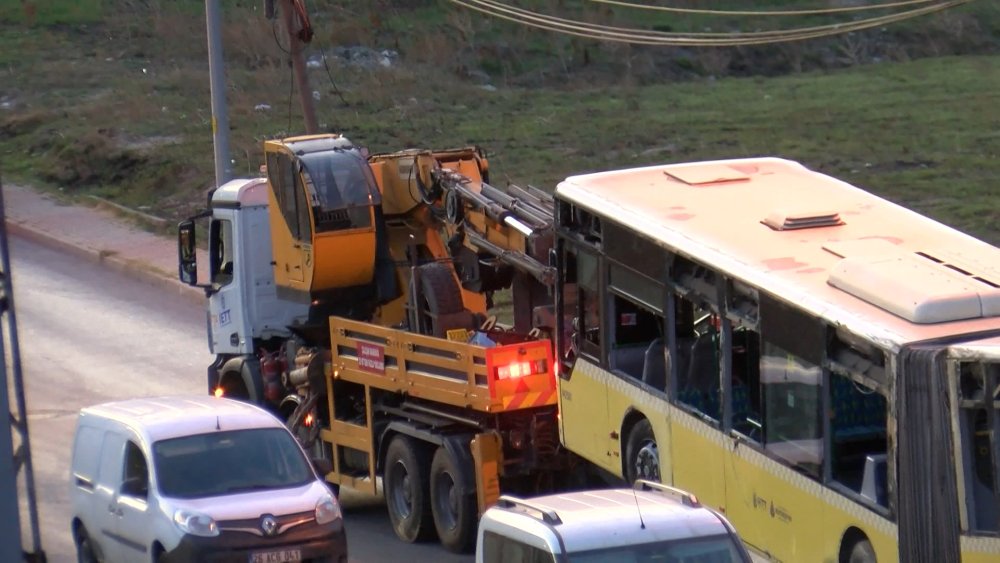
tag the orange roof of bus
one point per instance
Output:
(715, 212)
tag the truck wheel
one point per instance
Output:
(407, 490)
(642, 458)
(453, 501)
(862, 552)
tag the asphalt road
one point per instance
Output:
(88, 335)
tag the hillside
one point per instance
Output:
(111, 98)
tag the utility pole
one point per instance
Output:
(300, 32)
(217, 81)
(14, 459)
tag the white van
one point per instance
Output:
(197, 478)
(649, 522)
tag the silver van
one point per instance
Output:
(649, 522)
(197, 478)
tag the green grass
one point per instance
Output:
(119, 106)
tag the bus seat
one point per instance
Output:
(654, 368)
(703, 368)
(628, 360)
(873, 483)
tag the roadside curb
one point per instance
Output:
(135, 269)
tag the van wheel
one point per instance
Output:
(84, 549)
(407, 490)
(453, 502)
(642, 458)
(862, 552)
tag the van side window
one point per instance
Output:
(501, 549)
(135, 482)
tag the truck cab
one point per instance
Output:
(243, 303)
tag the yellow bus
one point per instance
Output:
(818, 363)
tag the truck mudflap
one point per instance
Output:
(502, 378)
(487, 457)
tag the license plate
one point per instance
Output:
(282, 556)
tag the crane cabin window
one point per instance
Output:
(344, 188)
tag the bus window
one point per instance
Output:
(587, 323)
(637, 341)
(792, 423)
(746, 383)
(980, 434)
(858, 442)
(698, 385)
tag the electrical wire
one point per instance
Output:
(660, 38)
(330, 76)
(624, 33)
(763, 13)
(291, 88)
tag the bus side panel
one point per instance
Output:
(625, 398)
(699, 457)
(583, 416)
(793, 516)
(843, 513)
(980, 549)
(781, 507)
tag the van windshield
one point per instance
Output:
(220, 463)
(707, 549)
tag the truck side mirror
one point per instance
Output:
(187, 256)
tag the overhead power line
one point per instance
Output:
(690, 39)
(755, 13)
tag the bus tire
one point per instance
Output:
(407, 489)
(862, 552)
(642, 459)
(453, 501)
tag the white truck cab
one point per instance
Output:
(650, 522)
(244, 308)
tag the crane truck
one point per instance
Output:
(353, 295)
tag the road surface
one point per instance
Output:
(89, 335)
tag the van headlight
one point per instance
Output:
(327, 510)
(195, 523)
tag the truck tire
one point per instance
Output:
(642, 459)
(407, 489)
(862, 552)
(439, 295)
(453, 502)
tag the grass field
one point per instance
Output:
(111, 98)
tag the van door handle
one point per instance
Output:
(113, 509)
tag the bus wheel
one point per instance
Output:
(453, 502)
(862, 552)
(407, 493)
(642, 457)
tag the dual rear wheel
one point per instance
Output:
(430, 492)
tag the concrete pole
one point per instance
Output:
(10, 548)
(299, 66)
(217, 81)
(13, 460)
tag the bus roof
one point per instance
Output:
(836, 250)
